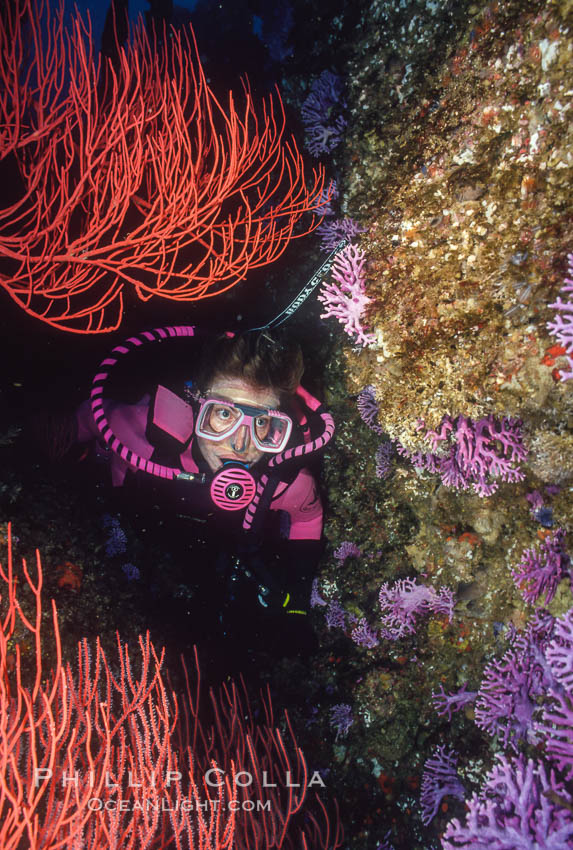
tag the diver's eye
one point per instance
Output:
(221, 417)
(262, 426)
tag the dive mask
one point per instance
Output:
(219, 419)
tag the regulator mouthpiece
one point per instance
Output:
(233, 487)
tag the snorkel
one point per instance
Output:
(234, 486)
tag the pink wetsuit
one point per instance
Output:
(299, 499)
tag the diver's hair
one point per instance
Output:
(262, 359)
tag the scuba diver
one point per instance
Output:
(230, 456)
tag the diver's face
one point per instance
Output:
(238, 446)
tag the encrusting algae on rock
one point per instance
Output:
(468, 204)
(459, 171)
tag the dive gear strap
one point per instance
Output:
(305, 292)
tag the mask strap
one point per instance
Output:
(310, 401)
(307, 290)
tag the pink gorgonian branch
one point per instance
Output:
(345, 296)
(404, 602)
(562, 326)
(446, 704)
(439, 780)
(539, 572)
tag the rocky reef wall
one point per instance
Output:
(457, 163)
